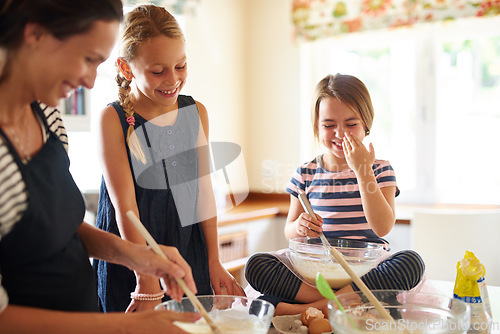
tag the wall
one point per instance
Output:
(215, 39)
(273, 95)
(244, 66)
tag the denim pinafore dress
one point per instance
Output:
(156, 186)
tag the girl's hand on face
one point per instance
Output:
(359, 159)
(306, 226)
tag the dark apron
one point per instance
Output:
(43, 261)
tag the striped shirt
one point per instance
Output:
(336, 198)
(13, 193)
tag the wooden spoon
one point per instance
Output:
(192, 297)
(340, 259)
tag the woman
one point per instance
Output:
(47, 49)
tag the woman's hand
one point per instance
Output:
(144, 261)
(149, 286)
(306, 226)
(151, 322)
(142, 305)
(359, 159)
(223, 282)
(23, 319)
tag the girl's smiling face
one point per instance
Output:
(160, 69)
(336, 119)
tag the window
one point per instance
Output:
(436, 93)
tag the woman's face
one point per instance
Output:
(160, 69)
(336, 119)
(58, 67)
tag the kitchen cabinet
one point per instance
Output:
(441, 237)
(262, 235)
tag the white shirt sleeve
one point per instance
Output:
(4, 298)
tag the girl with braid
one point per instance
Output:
(352, 194)
(156, 164)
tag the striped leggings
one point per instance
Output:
(266, 274)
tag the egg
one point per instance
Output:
(309, 315)
(319, 325)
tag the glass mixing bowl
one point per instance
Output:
(413, 312)
(231, 314)
(309, 256)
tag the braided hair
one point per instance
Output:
(140, 25)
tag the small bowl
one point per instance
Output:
(413, 312)
(309, 256)
(231, 314)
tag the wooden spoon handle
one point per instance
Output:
(156, 248)
(340, 259)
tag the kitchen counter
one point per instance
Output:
(263, 206)
(268, 205)
(446, 288)
(256, 206)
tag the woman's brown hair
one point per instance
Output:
(61, 18)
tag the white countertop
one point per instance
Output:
(446, 288)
